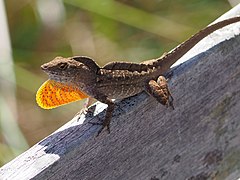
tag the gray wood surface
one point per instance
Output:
(200, 139)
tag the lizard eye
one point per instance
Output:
(63, 66)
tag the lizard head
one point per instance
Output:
(71, 70)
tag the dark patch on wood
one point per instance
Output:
(154, 178)
(213, 157)
(177, 159)
(163, 172)
(200, 176)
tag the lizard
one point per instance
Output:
(79, 77)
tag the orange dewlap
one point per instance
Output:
(53, 94)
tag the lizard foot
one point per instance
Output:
(159, 90)
(85, 108)
(103, 126)
(108, 116)
(83, 111)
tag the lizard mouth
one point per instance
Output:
(58, 78)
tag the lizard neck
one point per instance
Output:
(166, 61)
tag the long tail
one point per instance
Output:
(170, 58)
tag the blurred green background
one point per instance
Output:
(107, 30)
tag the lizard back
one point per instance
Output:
(129, 66)
(123, 83)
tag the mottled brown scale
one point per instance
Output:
(117, 80)
(121, 82)
(131, 67)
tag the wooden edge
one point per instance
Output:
(68, 151)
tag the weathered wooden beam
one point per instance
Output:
(200, 139)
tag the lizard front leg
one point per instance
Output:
(89, 101)
(159, 90)
(109, 112)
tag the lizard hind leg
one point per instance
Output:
(159, 90)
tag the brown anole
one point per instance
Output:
(75, 78)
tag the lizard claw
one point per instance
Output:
(108, 116)
(170, 102)
(103, 126)
(85, 108)
(82, 111)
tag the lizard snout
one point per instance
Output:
(44, 67)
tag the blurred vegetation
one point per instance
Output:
(106, 30)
